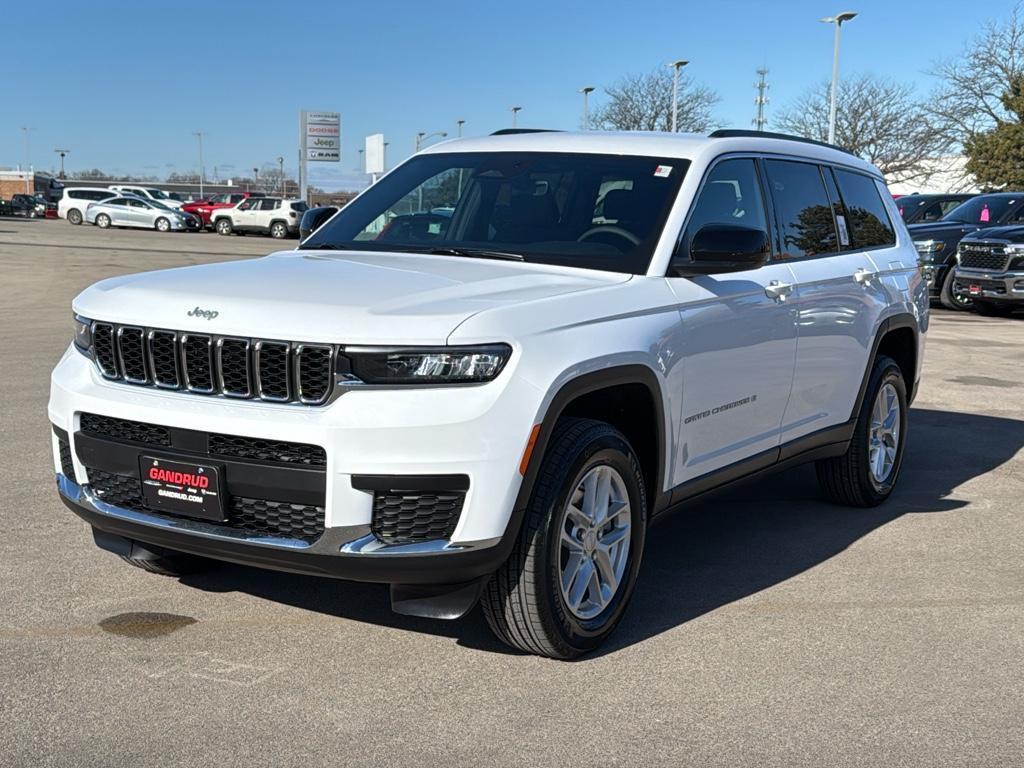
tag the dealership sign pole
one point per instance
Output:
(319, 142)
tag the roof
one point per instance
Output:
(690, 146)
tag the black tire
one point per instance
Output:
(103, 221)
(523, 602)
(223, 226)
(166, 225)
(279, 230)
(172, 564)
(992, 309)
(74, 216)
(848, 479)
(951, 300)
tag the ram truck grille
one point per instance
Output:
(987, 256)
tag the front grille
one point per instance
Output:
(233, 446)
(277, 371)
(67, 466)
(123, 429)
(268, 518)
(411, 517)
(987, 256)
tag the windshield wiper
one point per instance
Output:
(325, 247)
(478, 253)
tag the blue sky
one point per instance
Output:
(124, 85)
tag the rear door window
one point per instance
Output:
(867, 218)
(803, 208)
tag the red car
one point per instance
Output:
(205, 208)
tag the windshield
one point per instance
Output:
(982, 210)
(161, 206)
(158, 194)
(581, 210)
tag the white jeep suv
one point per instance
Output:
(485, 377)
(274, 216)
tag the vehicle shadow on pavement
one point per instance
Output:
(713, 552)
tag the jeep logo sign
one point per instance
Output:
(209, 314)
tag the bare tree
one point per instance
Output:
(877, 120)
(970, 100)
(644, 103)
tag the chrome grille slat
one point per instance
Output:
(210, 364)
(987, 256)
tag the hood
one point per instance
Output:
(344, 297)
(1012, 233)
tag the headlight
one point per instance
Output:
(83, 334)
(927, 249)
(437, 365)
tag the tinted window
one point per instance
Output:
(100, 194)
(909, 206)
(983, 209)
(933, 212)
(731, 195)
(137, 204)
(299, 207)
(867, 219)
(804, 210)
(234, 199)
(948, 205)
(117, 201)
(269, 204)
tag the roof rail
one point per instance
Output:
(511, 131)
(740, 133)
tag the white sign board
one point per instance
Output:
(321, 136)
(375, 153)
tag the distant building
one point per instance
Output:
(28, 183)
(949, 174)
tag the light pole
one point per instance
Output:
(838, 20)
(280, 169)
(62, 153)
(515, 112)
(28, 158)
(385, 158)
(199, 135)
(362, 161)
(676, 65)
(586, 91)
(460, 123)
(422, 136)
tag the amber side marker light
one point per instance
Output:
(529, 449)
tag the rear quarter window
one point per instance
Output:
(868, 220)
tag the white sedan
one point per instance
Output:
(128, 211)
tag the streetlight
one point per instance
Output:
(199, 135)
(460, 123)
(28, 158)
(676, 65)
(62, 153)
(586, 91)
(280, 168)
(515, 111)
(385, 158)
(362, 161)
(422, 136)
(838, 20)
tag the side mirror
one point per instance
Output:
(313, 219)
(720, 248)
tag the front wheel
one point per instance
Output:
(163, 225)
(569, 578)
(948, 296)
(103, 221)
(278, 230)
(223, 226)
(866, 474)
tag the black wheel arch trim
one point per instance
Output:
(891, 323)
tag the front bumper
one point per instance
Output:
(995, 286)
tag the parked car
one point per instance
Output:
(204, 209)
(937, 242)
(27, 206)
(274, 216)
(75, 200)
(990, 269)
(917, 208)
(131, 211)
(148, 193)
(497, 412)
(314, 218)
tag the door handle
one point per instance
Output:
(863, 276)
(778, 290)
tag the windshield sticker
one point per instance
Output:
(844, 236)
(663, 171)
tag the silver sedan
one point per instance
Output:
(129, 211)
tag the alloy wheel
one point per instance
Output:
(884, 439)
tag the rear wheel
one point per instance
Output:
(278, 230)
(992, 309)
(949, 298)
(103, 221)
(569, 578)
(163, 225)
(223, 226)
(866, 474)
(74, 216)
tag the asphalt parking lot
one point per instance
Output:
(768, 628)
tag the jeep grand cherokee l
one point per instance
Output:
(492, 405)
